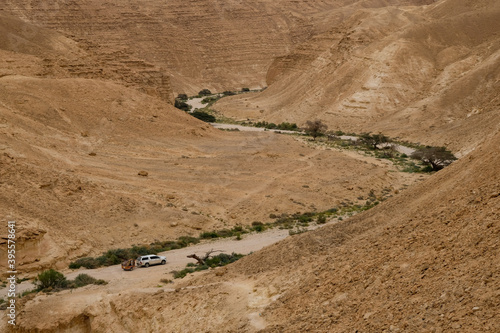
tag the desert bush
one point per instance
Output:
(182, 97)
(209, 235)
(206, 117)
(50, 279)
(245, 89)
(83, 280)
(210, 99)
(182, 105)
(87, 262)
(315, 128)
(238, 228)
(186, 240)
(284, 126)
(205, 92)
(183, 273)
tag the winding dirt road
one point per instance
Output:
(150, 277)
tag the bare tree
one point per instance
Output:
(315, 128)
(201, 261)
(436, 157)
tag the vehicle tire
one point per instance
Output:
(163, 262)
(146, 265)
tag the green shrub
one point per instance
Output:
(186, 240)
(210, 99)
(205, 92)
(206, 117)
(183, 273)
(182, 105)
(208, 235)
(87, 262)
(182, 97)
(83, 280)
(339, 133)
(245, 89)
(50, 279)
(321, 219)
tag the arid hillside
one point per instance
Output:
(425, 261)
(93, 157)
(221, 45)
(28, 49)
(428, 74)
(72, 149)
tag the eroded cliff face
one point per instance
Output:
(220, 45)
(428, 74)
(213, 44)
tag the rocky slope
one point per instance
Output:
(72, 149)
(221, 45)
(429, 74)
(425, 261)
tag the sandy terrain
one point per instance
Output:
(93, 157)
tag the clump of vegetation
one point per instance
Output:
(245, 89)
(83, 280)
(230, 129)
(434, 157)
(204, 116)
(315, 128)
(224, 233)
(205, 92)
(182, 97)
(284, 126)
(54, 280)
(207, 262)
(210, 100)
(373, 140)
(50, 279)
(182, 105)
(321, 219)
(116, 256)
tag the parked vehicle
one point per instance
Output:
(128, 265)
(150, 259)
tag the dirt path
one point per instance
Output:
(196, 103)
(145, 278)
